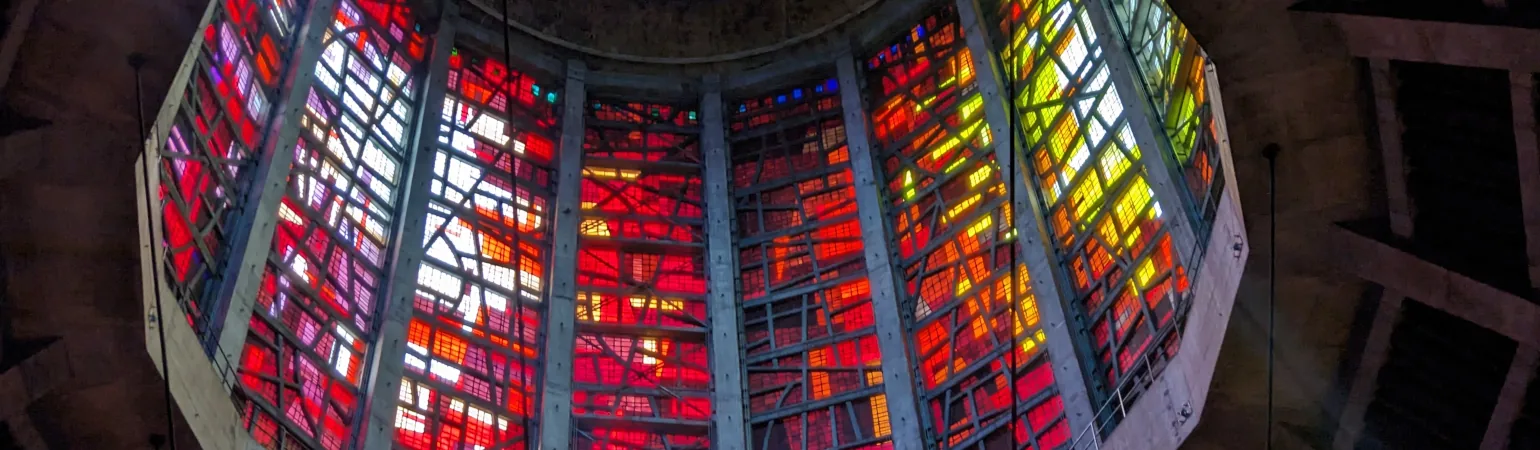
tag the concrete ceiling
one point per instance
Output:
(676, 28)
(1287, 78)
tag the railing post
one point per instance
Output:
(383, 380)
(728, 416)
(250, 248)
(897, 373)
(1033, 245)
(561, 315)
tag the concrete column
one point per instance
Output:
(1033, 241)
(1377, 346)
(897, 373)
(147, 181)
(1522, 85)
(1511, 399)
(10, 47)
(1390, 127)
(249, 247)
(1149, 133)
(1376, 351)
(729, 416)
(383, 381)
(556, 394)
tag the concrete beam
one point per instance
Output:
(10, 47)
(1034, 244)
(1459, 44)
(897, 372)
(1440, 288)
(253, 239)
(1388, 313)
(387, 362)
(24, 433)
(1365, 379)
(1523, 101)
(729, 416)
(561, 314)
(1510, 401)
(1390, 128)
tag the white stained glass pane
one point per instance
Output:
(440, 251)
(445, 372)
(1112, 105)
(439, 281)
(382, 164)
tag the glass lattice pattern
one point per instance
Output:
(473, 347)
(813, 363)
(641, 374)
(314, 320)
(1107, 228)
(215, 140)
(948, 207)
(1172, 67)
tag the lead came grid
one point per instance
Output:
(813, 364)
(1173, 69)
(473, 346)
(215, 140)
(948, 208)
(1107, 228)
(314, 320)
(641, 377)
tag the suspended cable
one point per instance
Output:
(526, 400)
(1271, 153)
(1010, 120)
(136, 61)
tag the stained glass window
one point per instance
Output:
(641, 374)
(215, 139)
(948, 206)
(1172, 67)
(314, 319)
(1108, 229)
(811, 347)
(473, 345)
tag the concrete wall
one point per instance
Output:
(67, 216)
(1287, 79)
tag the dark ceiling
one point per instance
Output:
(675, 28)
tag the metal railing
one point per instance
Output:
(1149, 367)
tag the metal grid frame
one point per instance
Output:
(1173, 69)
(215, 140)
(1105, 222)
(812, 357)
(955, 243)
(473, 344)
(301, 370)
(641, 375)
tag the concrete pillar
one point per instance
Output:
(729, 417)
(16, 33)
(249, 247)
(1035, 247)
(1511, 399)
(1376, 351)
(383, 380)
(1523, 98)
(897, 373)
(561, 314)
(1388, 313)
(1390, 128)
